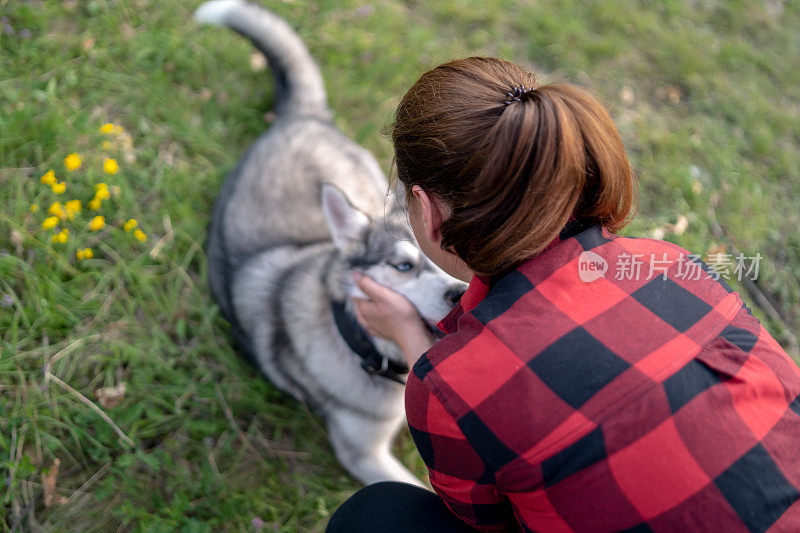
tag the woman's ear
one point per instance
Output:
(433, 213)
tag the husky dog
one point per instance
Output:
(303, 209)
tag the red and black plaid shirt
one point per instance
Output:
(650, 402)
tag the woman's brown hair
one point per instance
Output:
(513, 171)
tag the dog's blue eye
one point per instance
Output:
(403, 267)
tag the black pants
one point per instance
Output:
(395, 507)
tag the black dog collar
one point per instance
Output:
(372, 361)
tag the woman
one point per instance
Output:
(586, 381)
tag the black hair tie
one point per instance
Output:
(518, 94)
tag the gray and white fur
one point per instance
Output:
(304, 207)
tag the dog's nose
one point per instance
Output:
(454, 295)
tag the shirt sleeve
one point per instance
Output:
(457, 474)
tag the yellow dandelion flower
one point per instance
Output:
(50, 223)
(97, 223)
(62, 236)
(49, 178)
(107, 128)
(110, 166)
(139, 235)
(88, 253)
(34, 208)
(101, 185)
(95, 204)
(105, 145)
(72, 161)
(73, 207)
(56, 210)
(80, 255)
(59, 188)
(130, 224)
(101, 194)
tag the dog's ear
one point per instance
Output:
(397, 198)
(348, 225)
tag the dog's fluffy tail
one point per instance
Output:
(298, 82)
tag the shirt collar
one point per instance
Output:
(476, 291)
(479, 285)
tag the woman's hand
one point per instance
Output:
(389, 315)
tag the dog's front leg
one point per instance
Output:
(363, 446)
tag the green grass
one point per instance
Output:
(706, 95)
